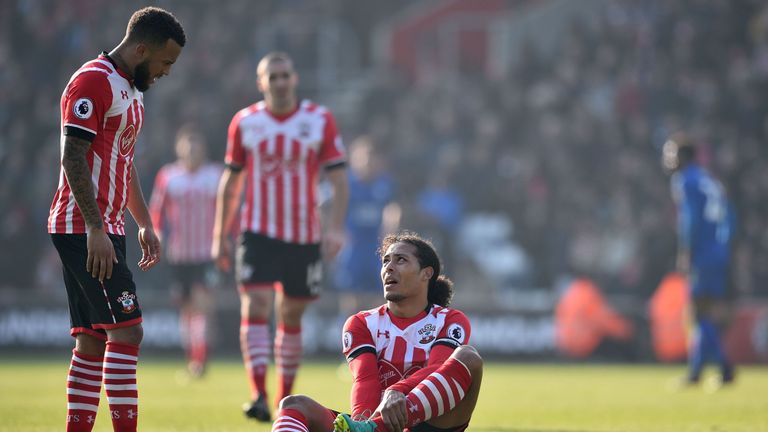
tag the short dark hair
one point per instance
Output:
(154, 26)
(686, 148)
(189, 129)
(272, 57)
(440, 289)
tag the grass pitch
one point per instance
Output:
(514, 397)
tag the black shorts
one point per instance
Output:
(188, 275)
(262, 260)
(95, 307)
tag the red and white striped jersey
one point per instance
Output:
(282, 156)
(99, 101)
(402, 345)
(183, 207)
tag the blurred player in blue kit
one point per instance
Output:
(705, 229)
(371, 214)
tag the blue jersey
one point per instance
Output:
(358, 265)
(705, 219)
(366, 204)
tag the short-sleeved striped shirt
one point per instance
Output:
(282, 156)
(99, 104)
(183, 207)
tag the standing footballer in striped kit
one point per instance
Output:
(102, 112)
(280, 144)
(409, 358)
(183, 207)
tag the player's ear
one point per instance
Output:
(142, 51)
(427, 272)
(258, 84)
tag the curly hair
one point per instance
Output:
(440, 289)
(155, 26)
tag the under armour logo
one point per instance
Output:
(131, 413)
(385, 333)
(124, 94)
(412, 407)
(90, 419)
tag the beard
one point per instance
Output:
(394, 297)
(141, 76)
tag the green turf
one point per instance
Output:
(514, 397)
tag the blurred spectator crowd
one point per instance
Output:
(562, 149)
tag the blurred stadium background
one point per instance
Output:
(524, 137)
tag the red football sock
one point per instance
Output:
(254, 343)
(291, 420)
(83, 391)
(287, 358)
(437, 394)
(198, 340)
(120, 362)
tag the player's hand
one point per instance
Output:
(150, 248)
(221, 254)
(101, 254)
(332, 242)
(393, 411)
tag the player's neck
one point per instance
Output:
(117, 57)
(407, 308)
(191, 166)
(281, 108)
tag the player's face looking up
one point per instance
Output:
(277, 81)
(156, 64)
(402, 275)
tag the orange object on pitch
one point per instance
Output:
(668, 318)
(583, 318)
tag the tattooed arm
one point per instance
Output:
(101, 252)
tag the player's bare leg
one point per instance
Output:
(89, 345)
(255, 310)
(288, 341)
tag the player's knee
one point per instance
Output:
(89, 345)
(469, 356)
(297, 402)
(132, 335)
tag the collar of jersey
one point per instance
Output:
(105, 56)
(403, 323)
(282, 117)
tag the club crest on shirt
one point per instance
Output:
(127, 300)
(304, 130)
(83, 108)
(127, 140)
(427, 333)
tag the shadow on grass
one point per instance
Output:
(514, 429)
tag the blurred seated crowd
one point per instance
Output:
(560, 153)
